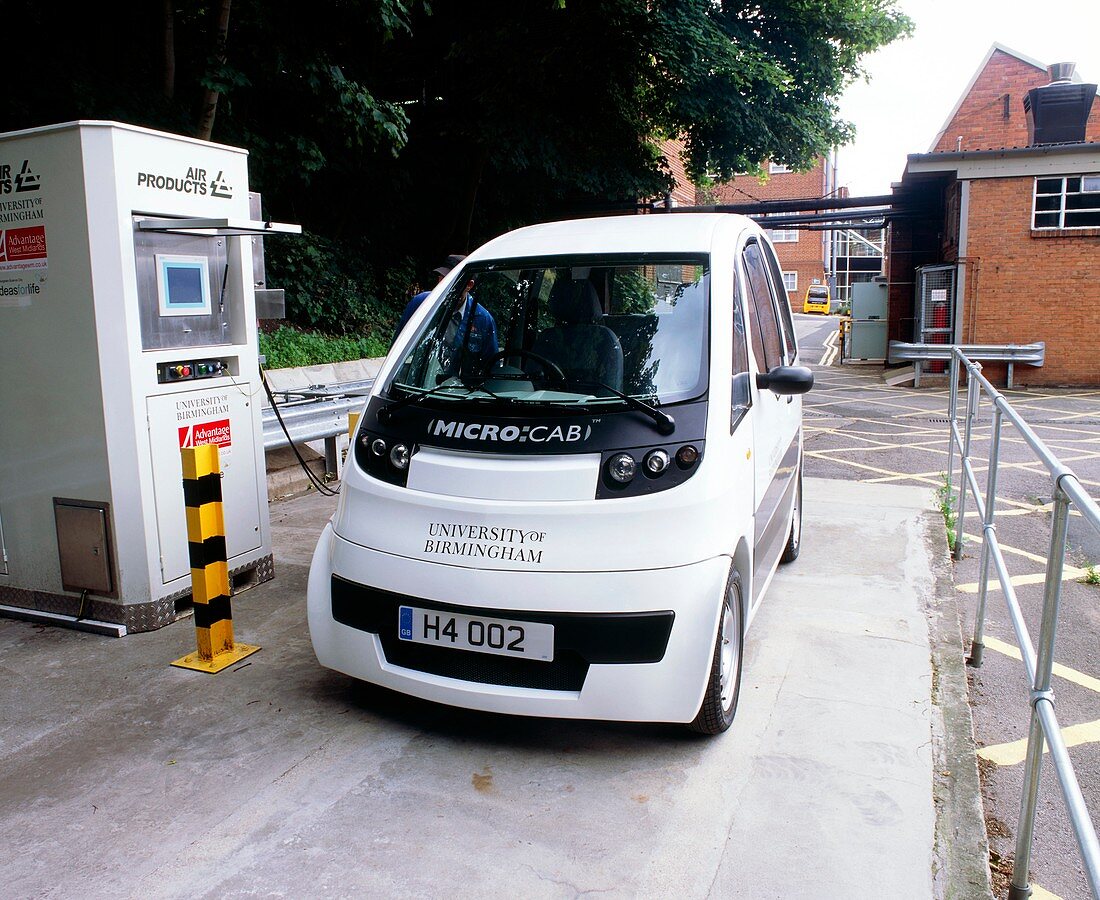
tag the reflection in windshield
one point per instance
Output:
(566, 330)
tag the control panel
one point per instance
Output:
(191, 369)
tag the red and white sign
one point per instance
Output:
(200, 433)
(23, 248)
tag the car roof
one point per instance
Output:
(655, 233)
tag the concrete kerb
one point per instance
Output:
(961, 851)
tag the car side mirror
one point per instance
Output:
(786, 380)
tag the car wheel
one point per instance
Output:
(794, 539)
(724, 679)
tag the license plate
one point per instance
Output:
(504, 637)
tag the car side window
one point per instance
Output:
(741, 398)
(784, 305)
(768, 347)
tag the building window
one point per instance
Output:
(777, 169)
(790, 282)
(782, 235)
(1070, 202)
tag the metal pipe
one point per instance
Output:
(1043, 727)
(1019, 888)
(1040, 690)
(971, 411)
(1019, 626)
(989, 532)
(952, 411)
(972, 483)
(1079, 817)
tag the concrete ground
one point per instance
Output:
(859, 428)
(121, 776)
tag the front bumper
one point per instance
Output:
(668, 690)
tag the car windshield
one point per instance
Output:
(565, 331)
(818, 293)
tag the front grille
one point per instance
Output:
(580, 640)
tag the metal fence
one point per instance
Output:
(1066, 490)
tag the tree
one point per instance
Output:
(399, 128)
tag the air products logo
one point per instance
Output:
(521, 434)
(23, 181)
(196, 181)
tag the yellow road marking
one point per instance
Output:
(877, 447)
(1078, 678)
(848, 462)
(1038, 893)
(1016, 751)
(994, 584)
(1034, 557)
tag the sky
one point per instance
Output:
(914, 83)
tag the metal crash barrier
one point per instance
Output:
(1067, 489)
(1027, 354)
(314, 414)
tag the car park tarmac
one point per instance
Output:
(120, 775)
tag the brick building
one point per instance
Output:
(804, 256)
(999, 241)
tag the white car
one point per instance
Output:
(574, 478)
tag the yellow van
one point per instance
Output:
(817, 299)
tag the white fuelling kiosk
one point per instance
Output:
(127, 331)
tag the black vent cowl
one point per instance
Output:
(1058, 113)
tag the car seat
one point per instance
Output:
(582, 348)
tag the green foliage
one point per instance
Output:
(331, 287)
(290, 348)
(947, 509)
(1091, 576)
(403, 130)
(631, 292)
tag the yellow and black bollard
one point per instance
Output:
(202, 495)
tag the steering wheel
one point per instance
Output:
(550, 366)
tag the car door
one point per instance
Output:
(775, 418)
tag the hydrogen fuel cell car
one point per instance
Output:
(574, 478)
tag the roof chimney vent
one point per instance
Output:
(1058, 113)
(1062, 71)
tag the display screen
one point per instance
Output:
(183, 283)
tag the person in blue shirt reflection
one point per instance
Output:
(470, 335)
(438, 273)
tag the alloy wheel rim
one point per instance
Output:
(727, 657)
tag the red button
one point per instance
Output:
(185, 371)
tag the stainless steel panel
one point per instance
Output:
(163, 332)
(83, 547)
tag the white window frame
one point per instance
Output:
(778, 169)
(781, 235)
(1062, 195)
(790, 282)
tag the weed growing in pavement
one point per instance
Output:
(947, 508)
(1092, 574)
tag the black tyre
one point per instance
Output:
(794, 539)
(724, 681)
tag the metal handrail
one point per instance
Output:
(1044, 727)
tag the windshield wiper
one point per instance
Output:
(664, 422)
(386, 412)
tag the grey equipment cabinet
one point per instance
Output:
(868, 329)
